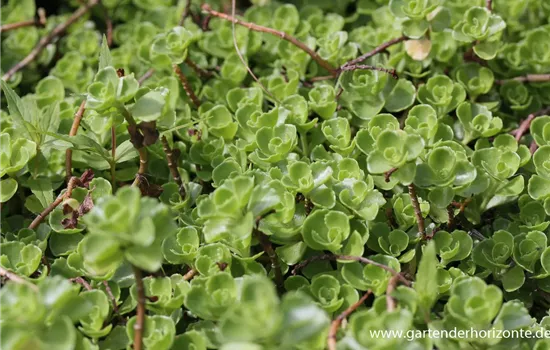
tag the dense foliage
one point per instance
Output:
(211, 175)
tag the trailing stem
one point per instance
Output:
(268, 249)
(45, 41)
(172, 159)
(140, 311)
(146, 76)
(137, 141)
(417, 211)
(72, 132)
(390, 301)
(38, 21)
(258, 28)
(528, 78)
(16, 278)
(335, 325)
(189, 275)
(74, 181)
(186, 86)
(346, 68)
(373, 52)
(185, 12)
(361, 259)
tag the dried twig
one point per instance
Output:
(417, 211)
(533, 147)
(361, 259)
(526, 124)
(389, 173)
(377, 50)
(189, 275)
(82, 282)
(72, 132)
(451, 217)
(146, 76)
(111, 296)
(16, 278)
(38, 21)
(74, 181)
(201, 72)
(252, 26)
(48, 39)
(335, 325)
(390, 301)
(185, 12)
(108, 24)
(268, 249)
(186, 86)
(140, 311)
(351, 67)
(172, 158)
(489, 5)
(528, 78)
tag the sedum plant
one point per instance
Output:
(274, 175)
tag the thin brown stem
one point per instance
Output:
(351, 67)
(186, 86)
(74, 128)
(201, 72)
(241, 57)
(113, 155)
(45, 41)
(82, 282)
(189, 275)
(375, 51)
(16, 278)
(252, 26)
(111, 296)
(528, 78)
(533, 147)
(140, 311)
(146, 76)
(360, 259)
(185, 12)
(417, 210)
(268, 249)
(388, 174)
(335, 325)
(108, 24)
(524, 126)
(390, 301)
(38, 21)
(489, 5)
(451, 217)
(172, 159)
(143, 163)
(74, 181)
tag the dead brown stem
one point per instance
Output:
(146, 76)
(74, 128)
(74, 181)
(172, 159)
(108, 24)
(189, 275)
(185, 12)
(390, 301)
(38, 21)
(528, 78)
(361, 259)
(351, 67)
(417, 211)
(186, 86)
(335, 325)
(268, 249)
(16, 278)
(82, 282)
(140, 311)
(255, 27)
(201, 72)
(48, 39)
(375, 51)
(111, 296)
